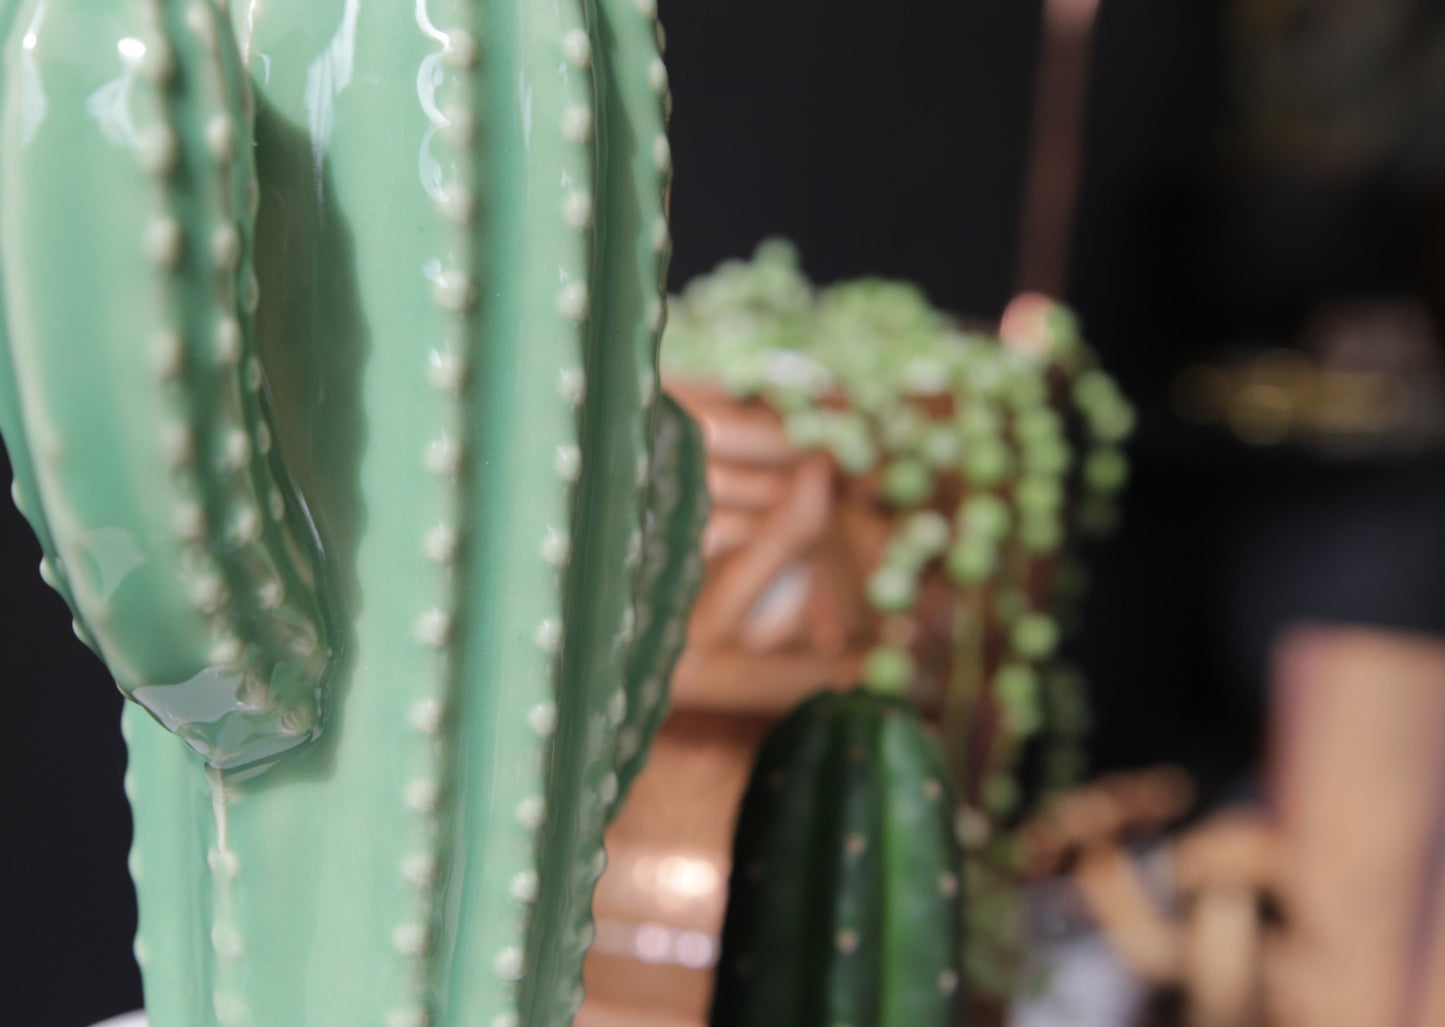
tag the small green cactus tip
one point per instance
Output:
(846, 904)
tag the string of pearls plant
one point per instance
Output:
(993, 456)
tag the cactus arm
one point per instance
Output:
(922, 937)
(670, 577)
(188, 560)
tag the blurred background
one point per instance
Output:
(1244, 200)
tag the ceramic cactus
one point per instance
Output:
(844, 905)
(329, 381)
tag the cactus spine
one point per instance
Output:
(844, 903)
(448, 258)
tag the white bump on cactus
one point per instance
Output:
(572, 385)
(420, 869)
(423, 796)
(508, 964)
(577, 125)
(556, 547)
(433, 628)
(549, 635)
(524, 886)
(542, 719)
(577, 48)
(411, 939)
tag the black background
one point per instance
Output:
(890, 138)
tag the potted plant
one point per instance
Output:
(897, 498)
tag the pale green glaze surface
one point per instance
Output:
(458, 256)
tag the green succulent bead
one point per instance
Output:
(1019, 698)
(1064, 335)
(1106, 469)
(939, 446)
(789, 400)
(907, 482)
(986, 463)
(903, 428)
(1010, 604)
(1016, 684)
(1039, 494)
(1042, 533)
(1000, 794)
(1040, 424)
(893, 589)
(740, 376)
(977, 422)
(1027, 391)
(1035, 636)
(972, 562)
(874, 395)
(777, 254)
(851, 445)
(1048, 457)
(1093, 389)
(808, 429)
(927, 376)
(986, 515)
(928, 531)
(888, 670)
(1113, 423)
(1023, 721)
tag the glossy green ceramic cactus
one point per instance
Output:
(329, 380)
(844, 903)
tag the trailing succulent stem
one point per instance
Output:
(845, 898)
(328, 373)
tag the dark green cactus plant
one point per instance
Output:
(328, 375)
(845, 897)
